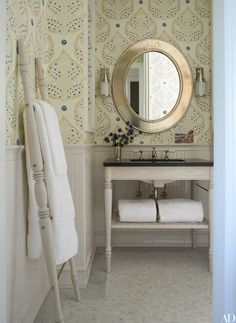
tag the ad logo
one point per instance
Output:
(228, 318)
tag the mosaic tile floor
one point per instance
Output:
(153, 285)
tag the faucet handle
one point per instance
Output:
(154, 153)
(141, 154)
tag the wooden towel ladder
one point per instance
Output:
(37, 167)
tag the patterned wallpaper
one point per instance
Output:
(67, 69)
(26, 20)
(57, 30)
(183, 23)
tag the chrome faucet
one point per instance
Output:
(141, 154)
(166, 155)
(154, 153)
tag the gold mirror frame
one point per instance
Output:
(119, 82)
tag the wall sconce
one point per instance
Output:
(200, 83)
(104, 82)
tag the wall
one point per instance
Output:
(27, 280)
(185, 24)
(61, 40)
(24, 20)
(67, 69)
(80, 161)
(224, 278)
(65, 47)
(27, 283)
(68, 75)
(27, 20)
(3, 224)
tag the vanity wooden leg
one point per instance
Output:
(108, 216)
(211, 189)
(194, 233)
(194, 238)
(192, 190)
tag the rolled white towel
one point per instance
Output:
(137, 210)
(180, 210)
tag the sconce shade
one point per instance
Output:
(104, 82)
(200, 83)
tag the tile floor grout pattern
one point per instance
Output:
(146, 285)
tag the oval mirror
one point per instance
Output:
(152, 85)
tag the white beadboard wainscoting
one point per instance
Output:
(81, 167)
(27, 279)
(27, 283)
(127, 189)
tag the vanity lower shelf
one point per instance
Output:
(117, 225)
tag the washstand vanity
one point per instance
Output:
(152, 90)
(160, 172)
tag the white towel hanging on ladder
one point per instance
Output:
(59, 193)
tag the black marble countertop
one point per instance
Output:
(159, 163)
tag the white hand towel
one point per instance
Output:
(137, 210)
(59, 194)
(180, 210)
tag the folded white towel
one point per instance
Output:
(180, 210)
(137, 210)
(59, 194)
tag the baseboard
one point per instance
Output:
(29, 314)
(83, 273)
(163, 238)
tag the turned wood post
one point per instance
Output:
(43, 92)
(37, 167)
